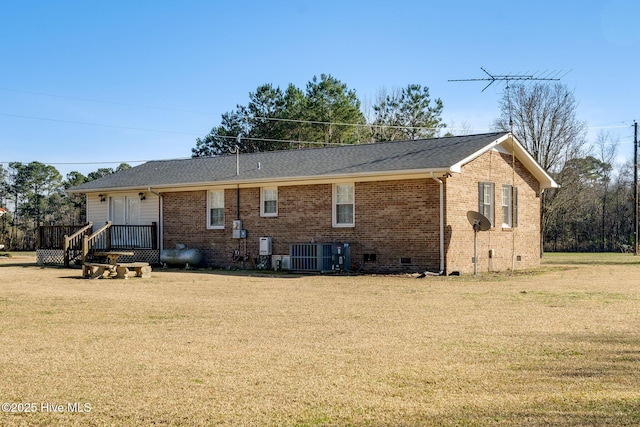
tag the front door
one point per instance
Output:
(124, 211)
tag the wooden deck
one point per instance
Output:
(77, 243)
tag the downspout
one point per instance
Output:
(441, 184)
(160, 219)
(238, 201)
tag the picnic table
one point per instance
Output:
(115, 269)
(113, 255)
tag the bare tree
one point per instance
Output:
(543, 118)
(455, 129)
(607, 153)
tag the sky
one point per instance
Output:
(92, 84)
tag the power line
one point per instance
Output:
(288, 141)
(292, 142)
(316, 122)
(319, 122)
(96, 124)
(624, 141)
(93, 163)
(262, 118)
(546, 75)
(100, 101)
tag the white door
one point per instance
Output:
(118, 212)
(133, 211)
(124, 211)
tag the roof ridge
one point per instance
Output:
(373, 159)
(337, 146)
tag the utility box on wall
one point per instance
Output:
(237, 231)
(265, 246)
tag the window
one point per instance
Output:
(485, 200)
(515, 206)
(509, 206)
(215, 208)
(343, 205)
(269, 201)
(506, 206)
(124, 210)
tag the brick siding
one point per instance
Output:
(393, 219)
(522, 241)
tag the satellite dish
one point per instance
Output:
(479, 222)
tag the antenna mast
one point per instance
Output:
(635, 188)
(491, 78)
(544, 76)
(548, 76)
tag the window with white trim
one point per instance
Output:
(515, 206)
(343, 205)
(509, 206)
(215, 209)
(269, 201)
(485, 200)
(506, 206)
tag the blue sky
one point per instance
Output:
(120, 81)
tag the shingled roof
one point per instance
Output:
(444, 154)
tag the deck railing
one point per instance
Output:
(134, 236)
(98, 240)
(110, 237)
(77, 241)
(73, 243)
(53, 236)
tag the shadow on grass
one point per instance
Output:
(238, 273)
(588, 379)
(19, 264)
(551, 412)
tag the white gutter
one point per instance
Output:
(439, 181)
(284, 180)
(160, 218)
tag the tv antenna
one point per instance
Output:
(544, 76)
(541, 76)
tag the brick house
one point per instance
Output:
(393, 206)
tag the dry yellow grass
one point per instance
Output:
(556, 347)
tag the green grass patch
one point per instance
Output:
(589, 258)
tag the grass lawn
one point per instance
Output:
(558, 346)
(591, 258)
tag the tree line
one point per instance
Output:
(34, 194)
(325, 112)
(592, 210)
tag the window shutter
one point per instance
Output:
(492, 203)
(515, 206)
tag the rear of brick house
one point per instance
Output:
(396, 206)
